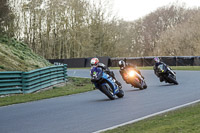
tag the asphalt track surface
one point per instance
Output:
(92, 111)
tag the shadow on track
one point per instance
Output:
(133, 90)
(167, 85)
(106, 100)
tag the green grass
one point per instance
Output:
(185, 120)
(194, 68)
(73, 86)
(17, 56)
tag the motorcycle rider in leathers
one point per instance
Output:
(123, 66)
(155, 68)
(95, 62)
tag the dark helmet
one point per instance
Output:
(156, 59)
(121, 63)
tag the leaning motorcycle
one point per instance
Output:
(105, 83)
(134, 78)
(168, 75)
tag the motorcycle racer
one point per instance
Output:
(95, 63)
(123, 66)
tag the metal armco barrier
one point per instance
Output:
(26, 82)
(10, 82)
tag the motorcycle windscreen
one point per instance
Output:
(161, 68)
(96, 72)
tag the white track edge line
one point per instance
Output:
(148, 116)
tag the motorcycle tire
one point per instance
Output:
(108, 92)
(173, 80)
(137, 85)
(120, 94)
(145, 85)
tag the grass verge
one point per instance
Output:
(73, 86)
(185, 120)
(194, 68)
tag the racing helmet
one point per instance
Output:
(94, 61)
(121, 63)
(156, 59)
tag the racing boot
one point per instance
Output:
(119, 84)
(161, 79)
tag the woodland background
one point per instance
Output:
(60, 29)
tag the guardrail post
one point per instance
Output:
(23, 82)
(65, 72)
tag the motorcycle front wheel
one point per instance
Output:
(173, 80)
(145, 85)
(108, 91)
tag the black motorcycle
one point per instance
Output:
(168, 75)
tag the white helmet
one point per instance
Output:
(121, 63)
(94, 61)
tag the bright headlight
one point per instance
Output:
(131, 73)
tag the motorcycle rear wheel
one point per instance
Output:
(137, 85)
(120, 94)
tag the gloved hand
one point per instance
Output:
(106, 71)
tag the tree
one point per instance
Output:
(6, 19)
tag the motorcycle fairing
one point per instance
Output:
(97, 71)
